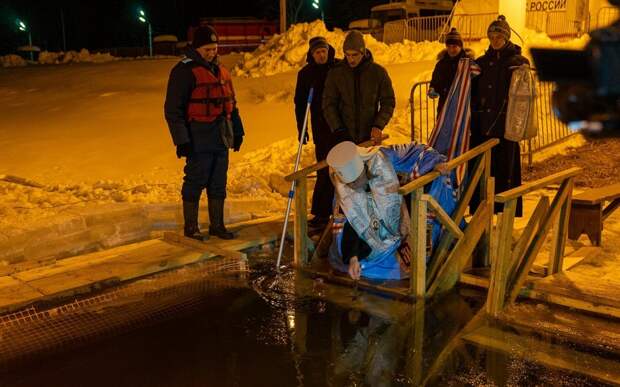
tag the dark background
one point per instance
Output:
(113, 23)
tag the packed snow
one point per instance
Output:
(287, 52)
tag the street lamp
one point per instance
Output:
(22, 27)
(142, 18)
(317, 5)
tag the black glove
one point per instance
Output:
(306, 138)
(184, 150)
(237, 141)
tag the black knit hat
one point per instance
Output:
(500, 25)
(204, 35)
(317, 42)
(453, 37)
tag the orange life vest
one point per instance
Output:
(212, 97)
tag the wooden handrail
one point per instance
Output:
(452, 164)
(322, 164)
(418, 183)
(521, 190)
(472, 153)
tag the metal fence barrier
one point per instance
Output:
(473, 27)
(550, 129)
(416, 29)
(394, 31)
(428, 28)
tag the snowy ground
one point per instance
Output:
(95, 132)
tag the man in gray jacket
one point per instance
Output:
(358, 98)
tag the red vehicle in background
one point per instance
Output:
(238, 34)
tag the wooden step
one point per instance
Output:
(545, 353)
(578, 291)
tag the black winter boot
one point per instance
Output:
(216, 219)
(190, 217)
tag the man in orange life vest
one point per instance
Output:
(204, 122)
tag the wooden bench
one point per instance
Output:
(588, 212)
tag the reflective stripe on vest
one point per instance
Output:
(212, 97)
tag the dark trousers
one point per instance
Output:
(505, 168)
(323, 194)
(205, 171)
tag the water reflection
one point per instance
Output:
(292, 330)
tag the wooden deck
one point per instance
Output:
(85, 273)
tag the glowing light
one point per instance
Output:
(143, 20)
(21, 25)
(142, 13)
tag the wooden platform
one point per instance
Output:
(577, 291)
(82, 274)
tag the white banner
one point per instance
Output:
(547, 5)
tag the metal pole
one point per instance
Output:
(30, 44)
(62, 25)
(282, 16)
(291, 192)
(150, 39)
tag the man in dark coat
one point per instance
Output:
(358, 98)
(204, 123)
(320, 58)
(489, 104)
(446, 67)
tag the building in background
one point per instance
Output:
(238, 34)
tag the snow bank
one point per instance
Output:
(84, 56)
(12, 60)
(50, 57)
(287, 52)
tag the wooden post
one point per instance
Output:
(417, 244)
(526, 237)
(500, 264)
(485, 194)
(282, 16)
(560, 233)
(301, 222)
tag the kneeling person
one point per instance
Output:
(370, 239)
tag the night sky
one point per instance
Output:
(113, 23)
